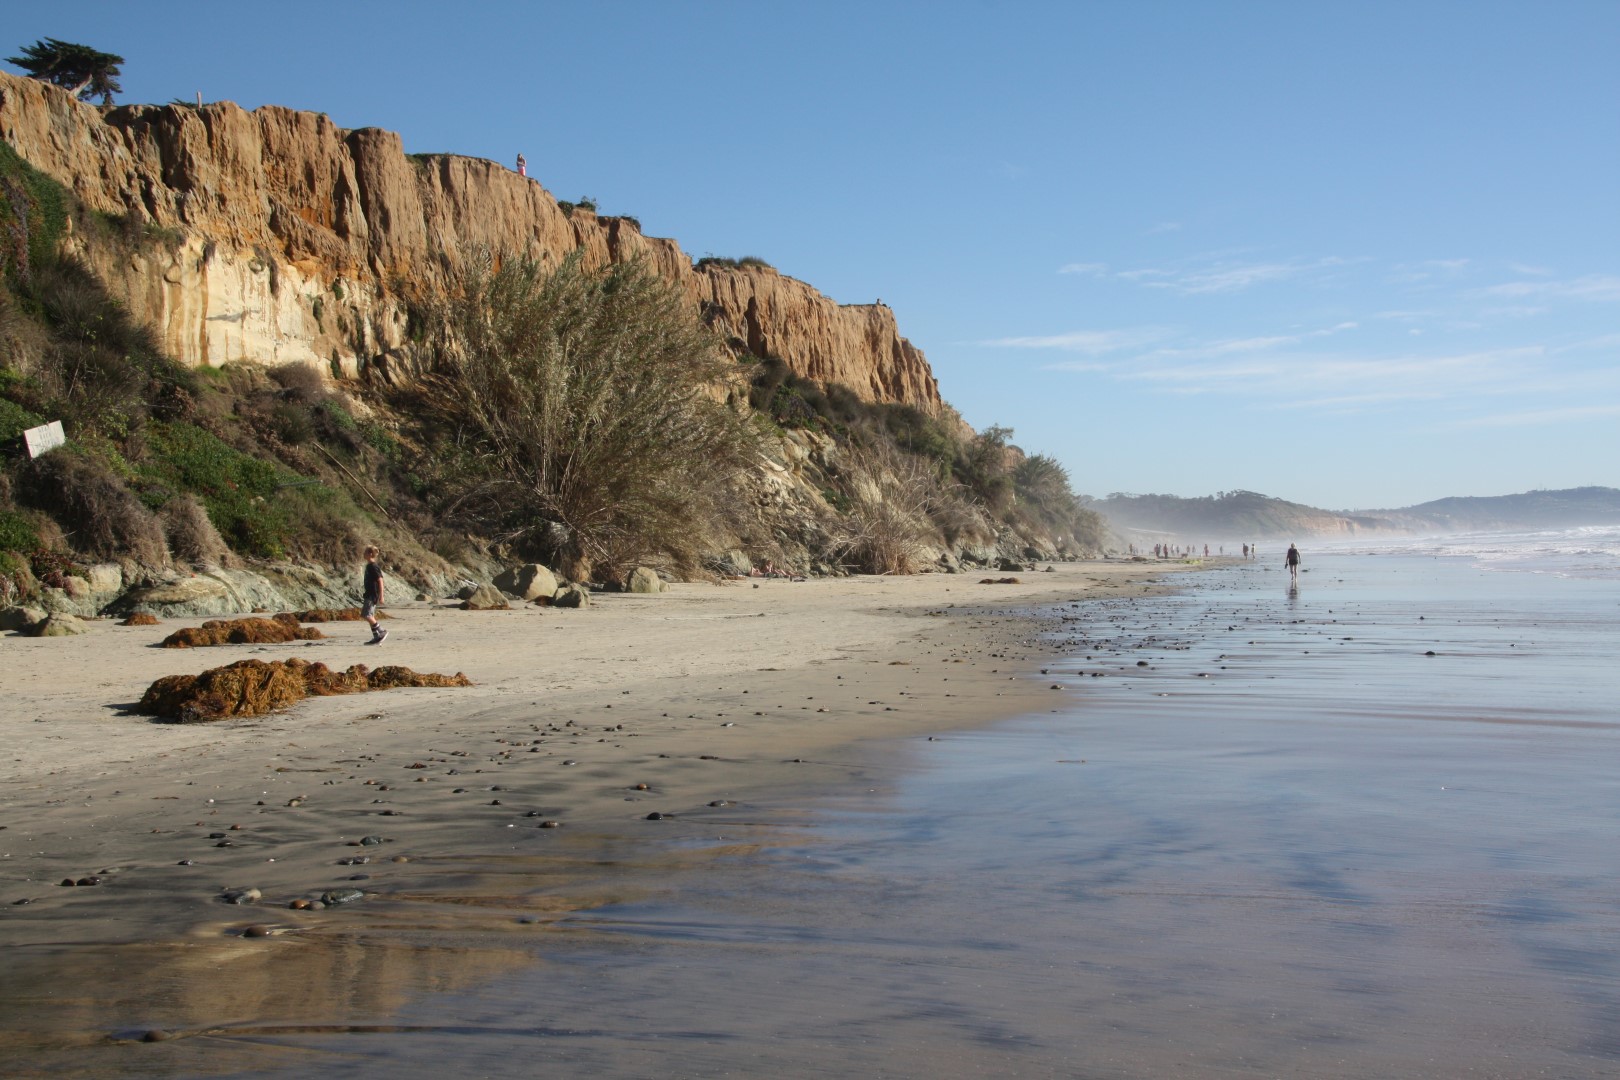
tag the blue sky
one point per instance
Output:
(1355, 255)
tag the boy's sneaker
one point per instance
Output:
(378, 638)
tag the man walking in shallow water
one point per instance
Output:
(1291, 560)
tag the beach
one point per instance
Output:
(495, 807)
(1109, 822)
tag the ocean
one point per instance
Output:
(1365, 826)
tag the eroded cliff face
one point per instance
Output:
(281, 237)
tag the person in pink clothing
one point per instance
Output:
(523, 166)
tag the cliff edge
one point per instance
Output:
(287, 238)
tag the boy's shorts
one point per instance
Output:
(368, 609)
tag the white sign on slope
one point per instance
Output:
(44, 438)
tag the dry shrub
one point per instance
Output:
(891, 496)
(100, 515)
(141, 618)
(256, 687)
(241, 632)
(300, 382)
(584, 398)
(191, 533)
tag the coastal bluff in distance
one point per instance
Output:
(1247, 515)
(287, 238)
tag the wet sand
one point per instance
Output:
(497, 811)
(1264, 833)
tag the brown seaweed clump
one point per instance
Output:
(256, 687)
(141, 618)
(347, 614)
(1000, 581)
(241, 632)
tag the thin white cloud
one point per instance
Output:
(1091, 342)
(1602, 288)
(1541, 417)
(1163, 227)
(1209, 274)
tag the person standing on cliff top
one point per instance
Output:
(372, 594)
(523, 166)
(1291, 560)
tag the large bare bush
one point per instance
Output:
(98, 513)
(192, 536)
(893, 496)
(586, 399)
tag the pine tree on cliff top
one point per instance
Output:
(80, 70)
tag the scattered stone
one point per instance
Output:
(333, 897)
(654, 816)
(370, 841)
(240, 896)
(550, 824)
(258, 930)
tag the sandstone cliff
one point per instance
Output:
(291, 239)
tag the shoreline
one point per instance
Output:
(707, 695)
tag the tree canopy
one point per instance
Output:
(78, 69)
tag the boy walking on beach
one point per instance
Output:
(1291, 560)
(373, 595)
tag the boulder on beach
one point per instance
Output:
(527, 582)
(60, 625)
(571, 596)
(485, 598)
(21, 617)
(645, 580)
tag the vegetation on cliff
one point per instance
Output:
(573, 419)
(80, 70)
(583, 417)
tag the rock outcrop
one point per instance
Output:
(275, 236)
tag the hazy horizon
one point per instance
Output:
(1364, 256)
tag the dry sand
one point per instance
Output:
(495, 805)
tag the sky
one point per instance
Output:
(1356, 255)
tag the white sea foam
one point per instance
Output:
(1591, 551)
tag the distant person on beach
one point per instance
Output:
(1291, 560)
(372, 594)
(523, 166)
